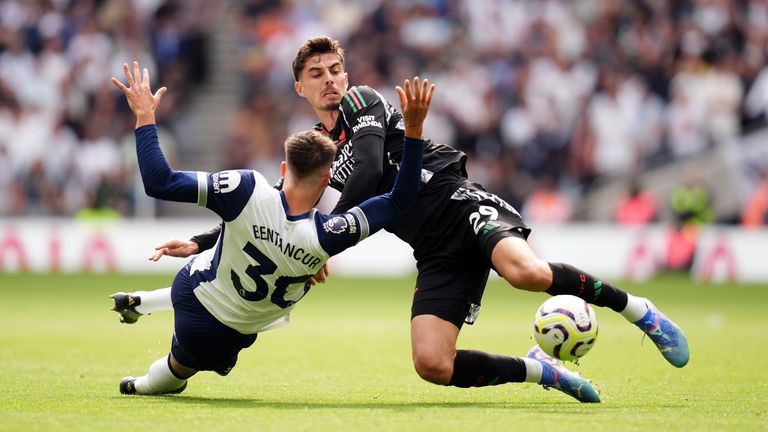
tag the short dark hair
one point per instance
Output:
(313, 47)
(305, 152)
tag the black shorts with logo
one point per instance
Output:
(453, 256)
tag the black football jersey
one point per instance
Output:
(364, 167)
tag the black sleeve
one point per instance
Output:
(366, 114)
(207, 239)
(366, 174)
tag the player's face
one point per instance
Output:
(323, 81)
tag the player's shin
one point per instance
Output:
(154, 301)
(568, 280)
(159, 379)
(479, 369)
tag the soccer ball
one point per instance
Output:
(565, 327)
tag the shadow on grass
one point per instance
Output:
(554, 406)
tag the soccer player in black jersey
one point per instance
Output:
(458, 231)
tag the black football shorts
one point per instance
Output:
(454, 263)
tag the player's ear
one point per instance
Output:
(283, 167)
(346, 80)
(326, 178)
(299, 89)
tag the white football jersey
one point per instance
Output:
(263, 258)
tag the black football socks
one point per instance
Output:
(567, 279)
(480, 369)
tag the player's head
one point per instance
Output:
(308, 156)
(314, 47)
(318, 69)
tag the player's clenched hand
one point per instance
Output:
(139, 94)
(175, 248)
(414, 103)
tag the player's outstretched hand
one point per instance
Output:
(139, 94)
(320, 276)
(175, 248)
(414, 103)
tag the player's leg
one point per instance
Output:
(200, 343)
(448, 284)
(447, 287)
(433, 348)
(132, 305)
(436, 359)
(514, 260)
(165, 376)
(501, 235)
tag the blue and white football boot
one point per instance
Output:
(555, 375)
(666, 335)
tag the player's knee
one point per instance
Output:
(530, 274)
(433, 368)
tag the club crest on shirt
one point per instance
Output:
(335, 225)
(225, 181)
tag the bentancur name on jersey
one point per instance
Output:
(261, 232)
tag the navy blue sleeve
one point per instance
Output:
(339, 232)
(385, 209)
(160, 181)
(226, 192)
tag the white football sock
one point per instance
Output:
(533, 370)
(636, 308)
(159, 379)
(154, 301)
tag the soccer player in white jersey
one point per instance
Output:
(272, 241)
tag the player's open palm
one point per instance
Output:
(139, 94)
(415, 99)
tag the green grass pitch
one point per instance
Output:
(344, 364)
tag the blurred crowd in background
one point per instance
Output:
(66, 138)
(546, 97)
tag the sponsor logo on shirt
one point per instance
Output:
(343, 164)
(335, 225)
(352, 223)
(366, 120)
(464, 194)
(225, 181)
